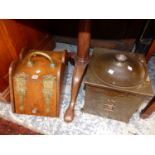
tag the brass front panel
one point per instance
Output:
(111, 104)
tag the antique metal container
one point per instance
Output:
(116, 84)
(35, 82)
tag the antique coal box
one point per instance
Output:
(35, 82)
(116, 84)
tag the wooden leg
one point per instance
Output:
(150, 51)
(76, 82)
(80, 66)
(148, 110)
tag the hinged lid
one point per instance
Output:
(119, 70)
(38, 63)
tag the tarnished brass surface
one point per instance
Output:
(20, 87)
(110, 103)
(47, 90)
(144, 88)
(119, 69)
(120, 100)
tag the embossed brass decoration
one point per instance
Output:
(47, 90)
(20, 88)
(109, 106)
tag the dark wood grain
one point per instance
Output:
(151, 51)
(149, 109)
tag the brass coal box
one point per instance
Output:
(116, 84)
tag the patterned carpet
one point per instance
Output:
(83, 123)
(10, 128)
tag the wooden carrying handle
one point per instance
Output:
(30, 63)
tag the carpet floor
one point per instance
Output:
(10, 128)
